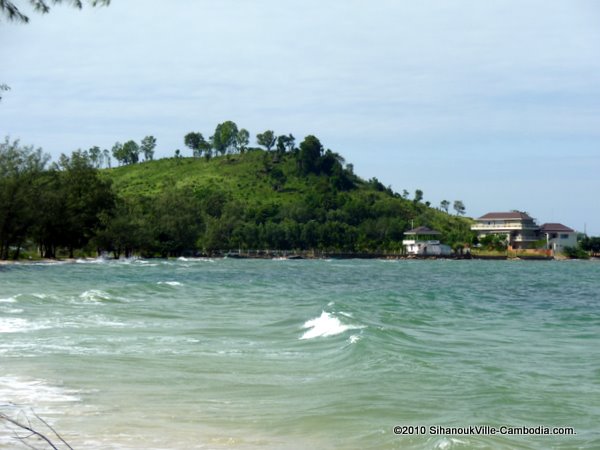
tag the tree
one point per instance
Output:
(147, 147)
(106, 158)
(196, 142)
(309, 155)
(73, 200)
(243, 139)
(459, 207)
(225, 137)
(285, 143)
(131, 151)
(95, 155)
(418, 196)
(19, 167)
(445, 204)
(12, 12)
(118, 154)
(266, 139)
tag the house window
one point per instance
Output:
(564, 236)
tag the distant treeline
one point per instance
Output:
(315, 202)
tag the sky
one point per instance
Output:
(495, 103)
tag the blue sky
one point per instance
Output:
(495, 103)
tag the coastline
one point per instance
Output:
(296, 256)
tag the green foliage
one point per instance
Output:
(225, 138)
(61, 207)
(459, 207)
(418, 196)
(496, 242)
(298, 200)
(19, 168)
(198, 144)
(444, 205)
(256, 201)
(575, 252)
(309, 155)
(266, 139)
(243, 139)
(590, 244)
(147, 147)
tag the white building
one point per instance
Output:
(519, 229)
(558, 236)
(423, 241)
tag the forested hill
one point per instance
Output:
(291, 198)
(263, 200)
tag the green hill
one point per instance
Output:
(262, 200)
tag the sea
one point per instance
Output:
(301, 354)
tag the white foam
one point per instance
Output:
(354, 338)
(94, 295)
(170, 283)
(8, 300)
(99, 260)
(18, 325)
(31, 392)
(325, 325)
(182, 258)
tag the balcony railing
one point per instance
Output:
(504, 226)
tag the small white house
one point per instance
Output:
(558, 236)
(423, 241)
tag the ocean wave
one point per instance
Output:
(19, 391)
(99, 260)
(95, 296)
(325, 325)
(9, 299)
(170, 283)
(18, 325)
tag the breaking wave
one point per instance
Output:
(325, 325)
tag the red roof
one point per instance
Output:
(506, 215)
(556, 228)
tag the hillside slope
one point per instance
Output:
(259, 200)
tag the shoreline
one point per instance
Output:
(294, 256)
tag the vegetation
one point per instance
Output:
(576, 252)
(286, 198)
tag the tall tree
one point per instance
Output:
(147, 147)
(196, 142)
(86, 198)
(131, 150)
(243, 139)
(459, 207)
(266, 139)
(285, 143)
(95, 155)
(445, 204)
(225, 137)
(19, 167)
(118, 153)
(418, 196)
(9, 9)
(106, 158)
(309, 155)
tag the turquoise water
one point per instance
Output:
(249, 354)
